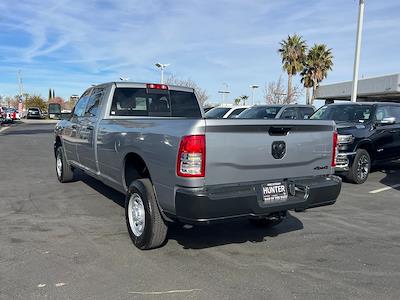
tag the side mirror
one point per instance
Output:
(306, 117)
(387, 121)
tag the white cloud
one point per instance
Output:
(75, 43)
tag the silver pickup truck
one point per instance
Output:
(152, 143)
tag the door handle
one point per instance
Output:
(393, 131)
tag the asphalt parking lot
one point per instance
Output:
(69, 241)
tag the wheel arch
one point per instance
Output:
(134, 167)
(369, 147)
(57, 143)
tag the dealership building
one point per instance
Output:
(382, 88)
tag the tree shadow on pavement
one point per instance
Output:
(392, 173)
(230, 232)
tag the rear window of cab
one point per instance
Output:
(157, 103)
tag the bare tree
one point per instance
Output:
(275, 93)
(200, 92)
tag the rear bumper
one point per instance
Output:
(245, 200)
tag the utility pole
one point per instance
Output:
(20, 90)
(358, 50)
(20, 85)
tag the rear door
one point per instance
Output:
(87, 134)
(241, 150)
(387, 141)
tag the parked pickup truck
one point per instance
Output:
(369, 133)
(152, 143)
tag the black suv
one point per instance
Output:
(369, 132)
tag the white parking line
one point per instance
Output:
(384, 189)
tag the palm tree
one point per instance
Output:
(307, 81)
(293, 54)
(319, 62)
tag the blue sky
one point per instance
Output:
(69, 45)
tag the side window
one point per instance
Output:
(236, 112)
(79, 110)
(305, 112)
(289, 113)
(383, 112)
(94, 103)
(396, 113)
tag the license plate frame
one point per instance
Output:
(274, 192)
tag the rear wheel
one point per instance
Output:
(270, 221)
(361, 167)
(146, 227)
(64, 171)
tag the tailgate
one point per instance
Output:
(240, 150)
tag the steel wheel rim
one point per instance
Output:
(363, 167)
(59, 165)
(136, 214)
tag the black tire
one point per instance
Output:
(361, 167)
(269, 221)
(65, 173)
(152, 234)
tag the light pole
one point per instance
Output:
(358, 50)
(224, 92)
(162, 67)
(253, 87)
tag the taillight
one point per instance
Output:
(334, 148)
(157, 86)
(191, 160)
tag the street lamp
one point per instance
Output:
(253, 87)
(358, 50)
(224, 92)
(162, 67)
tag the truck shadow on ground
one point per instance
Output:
(233, 232)
(205, 236)
(391, 170)
(100, 187)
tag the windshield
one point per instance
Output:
(344, 113)
(260, 112)
(54, 108)
(217, 112)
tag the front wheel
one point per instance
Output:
(146, 227)
(361, 167)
